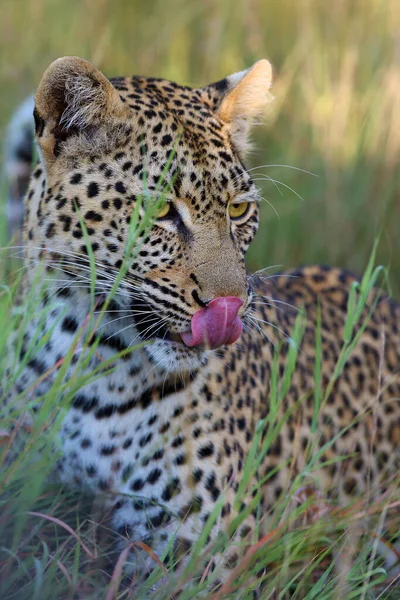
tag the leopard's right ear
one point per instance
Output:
(241, 98)
(73, 99)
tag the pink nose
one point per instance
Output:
(216, 324)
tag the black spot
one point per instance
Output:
(91, 470)
(92, 189)
(76, 178)
(158, 454)
(166, 139)
(119, 186)
(178, 411)
(66, 219)
(225, 156)
(180, 460)
(104, 485)
(69, 324)
(154, 476)
(137, 485)
(145, 440)
(197, 474)
(107, 450)
(241, 423)
(164, 428)
(91, 215)
(157, 520)
(206, 450)
(85, 404)
(171, 489)
(50, 231)
(178, 441)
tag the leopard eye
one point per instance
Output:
(164, 210)
(237, 211)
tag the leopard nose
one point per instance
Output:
(216, 324)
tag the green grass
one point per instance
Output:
(335, 128)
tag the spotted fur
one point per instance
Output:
(168, 431)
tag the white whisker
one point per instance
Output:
(283, 166)
(266, 178)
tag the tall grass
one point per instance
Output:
(333, 134)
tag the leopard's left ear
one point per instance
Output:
(241, 98)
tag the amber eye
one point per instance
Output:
(236, 211)
(164, 210)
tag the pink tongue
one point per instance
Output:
(216, 324)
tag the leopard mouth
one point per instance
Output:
(166, 335)
(212, 326)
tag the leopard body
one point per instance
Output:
(165, 435)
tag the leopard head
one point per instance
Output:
(108, 148)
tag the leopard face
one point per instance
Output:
(109, 148)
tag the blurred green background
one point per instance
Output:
(336, 112)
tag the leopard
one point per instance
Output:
(164, 436)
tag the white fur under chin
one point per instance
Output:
(175, 357)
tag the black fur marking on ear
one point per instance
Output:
(61, 134)
(39, 123)
(221, 86)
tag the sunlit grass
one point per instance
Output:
(336, 115)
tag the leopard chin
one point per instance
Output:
(174, 356)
